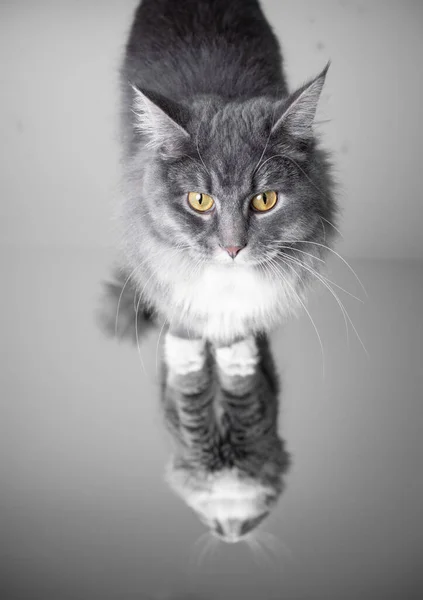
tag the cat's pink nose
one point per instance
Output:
(233, 250)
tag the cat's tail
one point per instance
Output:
(121, 314)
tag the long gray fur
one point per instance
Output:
(206, 108)
(207, 77)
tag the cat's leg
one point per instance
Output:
(188, 395)
(186, 360)
(238, 365)
(249, 405)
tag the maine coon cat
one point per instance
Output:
(227, 201)
(227, 209)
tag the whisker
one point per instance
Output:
(214, 545)
(336, 254)
(293, 298)
(278, 270)
(276, 545)
(135, 301)
(255, 546)
(313, 272)
(358, 337)
(157, 347)
(269, 273)
(325, 281)
(200, 538)
(332, 225)
(342, 289)
(193, 555)
(192, 158)
(120, 298)
(324, 230)
(270, 158)
(305, 253)
(136, 336)
(341, 305)
(206, 548)
(250, 543)
(267, 141)
(277, 245)
(196, 142)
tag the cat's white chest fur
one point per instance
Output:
(228, 300)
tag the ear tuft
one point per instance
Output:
(159, 119)
(298, 112)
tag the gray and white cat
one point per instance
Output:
(227, 210)
(226, 195)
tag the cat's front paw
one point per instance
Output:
(237, 365)
(187, 364)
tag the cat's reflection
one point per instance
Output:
(229, 460)
(221, 408)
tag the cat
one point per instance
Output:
(227, 211)
(227, 197)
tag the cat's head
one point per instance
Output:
(224, 178)
(228, 502)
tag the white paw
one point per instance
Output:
(241, 358)
(184, 356)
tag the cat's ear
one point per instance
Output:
(160, 120)
(296, 114)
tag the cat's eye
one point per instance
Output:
(264, 201)
(200, 202)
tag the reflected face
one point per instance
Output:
(231, 506)
(232, 530)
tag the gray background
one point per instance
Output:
(85, 512)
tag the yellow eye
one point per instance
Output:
(264, 201)
(200, 202)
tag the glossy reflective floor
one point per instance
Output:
(85, 510)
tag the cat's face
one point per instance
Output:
(205, 170)
(230, 505)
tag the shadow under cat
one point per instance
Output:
(221, 408)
